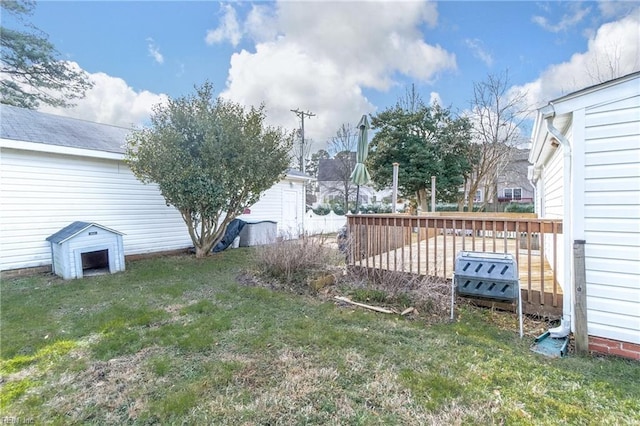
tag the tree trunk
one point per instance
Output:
(473, 188)
(202, 252)
(464, 197)
(422, 200)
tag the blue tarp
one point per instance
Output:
(233, 230)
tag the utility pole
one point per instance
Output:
(302, 114)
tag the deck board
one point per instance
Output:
(436, 256)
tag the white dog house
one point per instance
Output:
(84, 248)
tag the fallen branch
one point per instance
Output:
(409, 310)
(362, 305)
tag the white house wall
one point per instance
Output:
(552, 181)
(612, 218)
(551, 193)
(43, 192)
(276, 205)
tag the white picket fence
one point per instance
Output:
(315, 224)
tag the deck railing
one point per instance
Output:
(428, 245)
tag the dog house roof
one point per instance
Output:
(74, 229)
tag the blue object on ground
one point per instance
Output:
(550, 346)
(233, 230)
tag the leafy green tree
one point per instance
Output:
(31, 70)
(426, 141)
(210, 158)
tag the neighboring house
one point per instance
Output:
(513, 183)
(586, 168)
(333, 182)
(56, 170)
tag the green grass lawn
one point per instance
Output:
(177, 340)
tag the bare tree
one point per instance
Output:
(613, 62)
(497, 115)
(312, 170)
(342, 148)
(300, 152)
(411, 101)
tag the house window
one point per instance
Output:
(478, 197)
(513, 193)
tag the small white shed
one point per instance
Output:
(84, 248)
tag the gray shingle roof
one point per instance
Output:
(332, 169)
(297, 173)
(32, 126)
(74, 229)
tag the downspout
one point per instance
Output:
(530, 178)
(567, 309)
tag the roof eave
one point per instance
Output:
(59, 149)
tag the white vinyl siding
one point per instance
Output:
(553, 189)
(274, 206)
(603, 125)
(612, 219)
(44, 192)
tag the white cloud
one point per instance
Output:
(574, 17)
(321, 58)
(261, 23)
(478, 51)
(154, 51)
(434, 98)
(229, 29)
(613, 51)
(111, 101)
(616, 9)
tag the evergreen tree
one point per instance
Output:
(31, 70)
(210, 158)
(426, 141)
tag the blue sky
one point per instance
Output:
(339, 59)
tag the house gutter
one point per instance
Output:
(567, 309)
(530, 178)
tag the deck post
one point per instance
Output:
(580, 307)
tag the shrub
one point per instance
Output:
(322, 210)
(298, 262)
(519, 208)
(430, 296)
(453, 207)
(375, 208)
(338, 209)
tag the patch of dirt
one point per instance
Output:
(115, 387)
(250, 280)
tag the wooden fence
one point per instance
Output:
(428, 245)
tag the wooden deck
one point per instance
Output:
(429, 257)
(435, 256)
(429, 245)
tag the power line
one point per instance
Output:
(301, 115)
